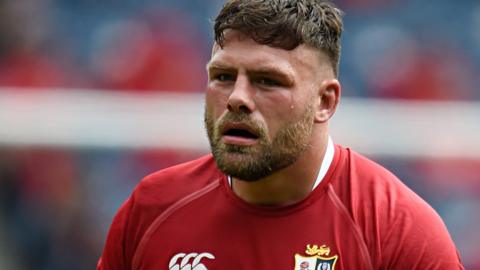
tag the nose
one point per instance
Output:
(241, 100)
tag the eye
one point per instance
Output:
(224, 77)
(268, 82)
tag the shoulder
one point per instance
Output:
(368, 186)
(392, 218)
(366, 178)
(173, 183)
(362, 166)
(152, 196)
(162, 189)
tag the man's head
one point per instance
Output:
(272, 78)
(284, 24)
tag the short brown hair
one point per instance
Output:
(284, 24)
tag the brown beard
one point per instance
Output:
(252, 163)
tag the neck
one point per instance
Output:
(289, 185)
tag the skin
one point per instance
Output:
(274, 88)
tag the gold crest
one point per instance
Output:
(318, 259)
(315, 250)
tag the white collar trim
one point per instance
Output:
(326, 162)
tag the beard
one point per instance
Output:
(254, 162)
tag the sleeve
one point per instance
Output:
(114, 253)
(418, 239)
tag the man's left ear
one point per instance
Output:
(328, 97)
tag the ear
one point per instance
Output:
(327, 100)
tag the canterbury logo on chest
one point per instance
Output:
(190, 261)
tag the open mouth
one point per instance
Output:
(236, 132)
(239, 134)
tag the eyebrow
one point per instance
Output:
(219, 66)
(273, 71)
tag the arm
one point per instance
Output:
(418, 239)
(114, 253)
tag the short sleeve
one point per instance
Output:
(418, 239)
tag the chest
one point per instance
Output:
(214, 233)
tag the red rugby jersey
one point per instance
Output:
(359, 217)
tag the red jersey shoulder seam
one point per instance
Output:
(137, 257)
(356, 231)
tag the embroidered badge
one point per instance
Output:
(318, 259)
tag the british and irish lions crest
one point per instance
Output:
(318, 259)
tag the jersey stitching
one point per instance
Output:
(357, 233)
(137, 257)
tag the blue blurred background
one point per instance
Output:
(56, 203)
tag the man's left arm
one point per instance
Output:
(418, 239)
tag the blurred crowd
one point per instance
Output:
(392, 49)
(56, 204)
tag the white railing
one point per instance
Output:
(95, 118)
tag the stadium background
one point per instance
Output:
(96, 94)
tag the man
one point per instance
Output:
(276, 193)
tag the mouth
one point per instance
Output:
(239, 134)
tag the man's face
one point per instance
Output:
(259, 111)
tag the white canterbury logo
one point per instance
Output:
(194, 265)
